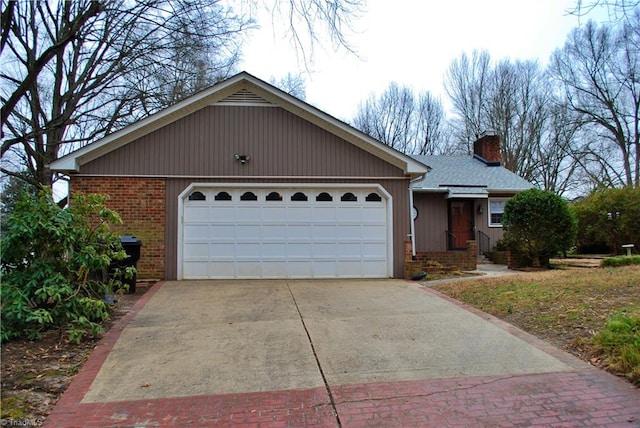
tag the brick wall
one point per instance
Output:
(464, 260)
(141, 205)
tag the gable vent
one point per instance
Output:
(244, 97)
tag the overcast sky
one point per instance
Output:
(413, 42)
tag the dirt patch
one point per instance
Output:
(36, 373)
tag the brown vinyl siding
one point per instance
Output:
(397, 188)
(204, 143)
(431, 224)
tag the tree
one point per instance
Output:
(466, 84)
(77, 70)
(74, 71)
(598, 72)
(398, 118)
(538, 224)
(607, 219)
(50, 261)
(293, 84)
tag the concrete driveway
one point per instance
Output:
(238, 338)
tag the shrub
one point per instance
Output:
(608, 219)
(620, 261)
(52, 265)
(619, 341)
(537, 225)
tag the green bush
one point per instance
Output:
(52, 264)
(608, 219)
(620, 261)
(537, 225)
(619, 341)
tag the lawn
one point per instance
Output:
(568, 308)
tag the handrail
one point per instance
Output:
(484, 242)
(451, 239)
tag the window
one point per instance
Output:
(274, 196)
(373, 197)
(222, 196)
(299, 196)
(324, 197)
(348, 197)
(197, 196)
(248, 196)
(496, 211)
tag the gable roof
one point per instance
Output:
(241, 89)
(467, 177)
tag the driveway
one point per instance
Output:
(332, 353)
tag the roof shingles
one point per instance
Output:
(467, 172)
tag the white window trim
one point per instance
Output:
(489, 211)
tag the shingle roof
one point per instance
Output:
(468, 175)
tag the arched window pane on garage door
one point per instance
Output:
(373, 197)
(349, 197)
(222, 196)
(274, 196)
(248, 196)
(197, 196)
(299, 196)
(324, 197)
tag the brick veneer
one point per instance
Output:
(141, 204)
(466, 260)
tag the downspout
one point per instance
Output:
(412, 227)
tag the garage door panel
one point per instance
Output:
(248, 250)
(197, 213)
(196, 232)
(220, 213)
(298, 214)
(197, 251)
(274, 231)
(300, 232)
(247, 232)
(324, 232)
(250, 213)
(274, 251)
(285, 238)
(323, 214)
(297, 250)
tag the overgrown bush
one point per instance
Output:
(608, 219)
(537, 225)
(620, 261)
(619, 343)
(52, 265)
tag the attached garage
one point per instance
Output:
(245, 181)
(282, 232)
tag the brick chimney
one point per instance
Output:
(487, 148)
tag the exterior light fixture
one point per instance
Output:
(242, 158)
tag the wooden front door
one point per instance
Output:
(461, 224)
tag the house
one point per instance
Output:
(243, 180)
(458, 205)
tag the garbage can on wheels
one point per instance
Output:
(131, 245)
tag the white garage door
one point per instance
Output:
(285, 233)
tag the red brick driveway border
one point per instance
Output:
(585, 396)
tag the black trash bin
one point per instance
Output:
(131, 245)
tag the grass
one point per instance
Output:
(620, 261)
(568, 308)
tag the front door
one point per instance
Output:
(461, 224)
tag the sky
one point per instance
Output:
(411, 42)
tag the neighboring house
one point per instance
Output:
(462, 199)
(243, 180)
